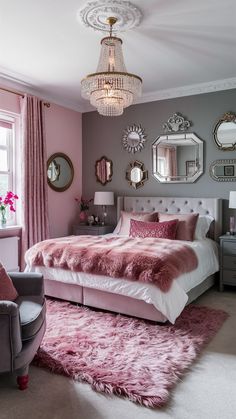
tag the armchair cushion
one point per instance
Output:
(32, 315)
(7, 289)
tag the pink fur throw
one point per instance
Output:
(151, 260)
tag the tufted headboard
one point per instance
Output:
(175, 205)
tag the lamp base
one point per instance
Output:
(104, 215)
(232, 225)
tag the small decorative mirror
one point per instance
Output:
(223, 170)
(60, 172)
(134, 138)
(177, 158)
(103, 170)
(225, 132)
(136, 174)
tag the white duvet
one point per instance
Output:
(170, 303)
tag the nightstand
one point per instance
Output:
(227, 261)
(94, 230)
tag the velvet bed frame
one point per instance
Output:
(128, 305)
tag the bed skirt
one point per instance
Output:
(114, 302)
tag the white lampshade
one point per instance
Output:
(232, 199)
(104, 198)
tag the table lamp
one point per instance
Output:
(104, 199)
(232, 204)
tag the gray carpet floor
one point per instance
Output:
(207, 391)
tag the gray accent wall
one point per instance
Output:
(103, 136)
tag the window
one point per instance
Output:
(8, 127)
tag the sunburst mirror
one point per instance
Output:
(134, 138)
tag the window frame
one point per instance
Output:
(13, 165)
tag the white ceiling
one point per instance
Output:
(181, 47)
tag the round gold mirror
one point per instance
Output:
(60, 172)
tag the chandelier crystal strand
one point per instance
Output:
(111, 88)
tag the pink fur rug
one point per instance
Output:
(133, 358)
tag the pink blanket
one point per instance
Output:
(157, 261)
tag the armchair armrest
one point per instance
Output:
(8, 308)
(10, 334)
(28, 283)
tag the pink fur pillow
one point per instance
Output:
(186, 226)
(165, 230)
(7, 289)
(123, 226)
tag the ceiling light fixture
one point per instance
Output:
(111, 88)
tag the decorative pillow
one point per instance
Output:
(123, 225)
(7, 289)
(203, 226)
(117, 228)
(186, 226)
(165, 230)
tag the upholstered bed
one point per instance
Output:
(141, 300)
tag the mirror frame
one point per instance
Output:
(140, 165)
(181, 178)
(137, 129)
(223, 162)
(111, 174)
(50, 160)
(227, 117)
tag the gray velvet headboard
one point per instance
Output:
(175, 205)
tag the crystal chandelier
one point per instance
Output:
(111, 88)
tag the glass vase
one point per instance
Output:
(3, 217)
(83, 216)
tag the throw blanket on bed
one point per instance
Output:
(157, 261)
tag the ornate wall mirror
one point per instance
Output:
(177, 158)
(136, 174)
(225, 132)
(103, 170)
(60, 172)
(134, 138)
(223, 170)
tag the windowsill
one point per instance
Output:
(11, 230)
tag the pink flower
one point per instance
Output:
(8, 200)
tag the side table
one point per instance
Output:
(227, 260)
(93, 230)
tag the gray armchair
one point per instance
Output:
(22, 325)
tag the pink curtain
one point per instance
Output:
(170, 157)
(171, 161)
(35, 226)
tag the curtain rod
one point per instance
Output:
(15, 92)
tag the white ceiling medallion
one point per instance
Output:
(96, 13)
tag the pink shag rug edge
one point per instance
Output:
(44, 360)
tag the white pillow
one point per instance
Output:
(118, 226)
(203, 226)
(123, 225)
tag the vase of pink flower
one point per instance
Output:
(84, 207)
(5, 202)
